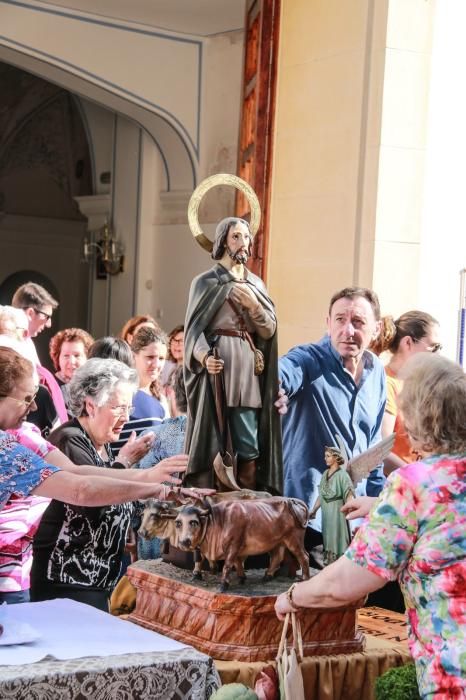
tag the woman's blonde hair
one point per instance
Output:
(433, 403)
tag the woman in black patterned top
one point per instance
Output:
(77, 550)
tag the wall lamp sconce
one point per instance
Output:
(107, 252)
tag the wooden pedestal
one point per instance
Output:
(233, 627)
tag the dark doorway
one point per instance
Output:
(45, 162)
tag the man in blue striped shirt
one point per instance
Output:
(334, 386)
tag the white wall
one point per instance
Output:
(444, 215)
(403, 141)
(98, 122)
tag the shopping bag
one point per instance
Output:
(289, 661)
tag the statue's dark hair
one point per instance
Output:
(221, 233)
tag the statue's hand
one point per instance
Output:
(242, 294)
(214, 365)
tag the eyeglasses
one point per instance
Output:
(435, 347)
(26, 402)
(43, 314)
(121, 410)
(178, 341)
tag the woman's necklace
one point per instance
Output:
(100, 460)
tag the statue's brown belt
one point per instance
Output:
(334, 498)
(245, 335)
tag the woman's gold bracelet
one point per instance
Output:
(289, 597)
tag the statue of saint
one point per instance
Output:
(230, 357)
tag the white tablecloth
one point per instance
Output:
(70, 630)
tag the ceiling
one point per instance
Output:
(200, 17)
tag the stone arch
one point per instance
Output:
(44, 151)
(177, 152)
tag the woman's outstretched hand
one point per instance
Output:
(358, 507)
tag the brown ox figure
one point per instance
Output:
(234, 530)
(158, 519)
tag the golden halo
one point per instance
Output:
(203, 188)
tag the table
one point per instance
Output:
(386, 624)
(141, 664)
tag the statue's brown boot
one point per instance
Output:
(247, 474)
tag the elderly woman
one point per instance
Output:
(415, 532)
(48, 473)
(78, 551)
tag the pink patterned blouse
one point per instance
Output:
(416, 532)
(19, 520)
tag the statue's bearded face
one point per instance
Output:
(238, 243)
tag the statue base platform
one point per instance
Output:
(240, 625)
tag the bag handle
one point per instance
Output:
(281, 646)
(297, 637)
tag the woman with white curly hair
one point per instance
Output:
(78, 551)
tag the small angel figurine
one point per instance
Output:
(335, 489)
(337, 486)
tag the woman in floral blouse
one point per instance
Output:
(416, 533)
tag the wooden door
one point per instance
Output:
(257, 121)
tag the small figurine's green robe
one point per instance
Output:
(334, 491)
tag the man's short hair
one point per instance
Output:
(32, 295)
(351, 292)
